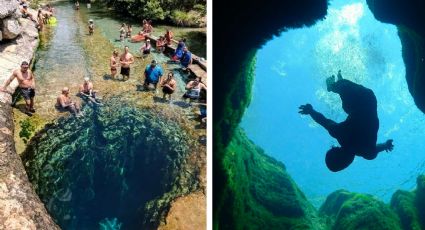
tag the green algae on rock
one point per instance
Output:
(353, 211)
(260, 194)
(403, 203)
(118, 161)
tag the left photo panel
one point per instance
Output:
(103, 114)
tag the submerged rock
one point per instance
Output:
(403, 203)
(260, 194)
(353, 211)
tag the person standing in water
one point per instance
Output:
(114, 64)
(122, 32)
(126, 60)
(91, 27)
(26, 81)
(168, 85)
(357, 135)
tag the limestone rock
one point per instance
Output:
(7, 8)
(11, 28)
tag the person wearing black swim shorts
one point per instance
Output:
(26, 81)
(126, 59)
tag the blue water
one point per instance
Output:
(291, 70)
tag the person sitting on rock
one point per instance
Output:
(357, 135)
(194, 89)
(26, 14)
(86, 91)
(168, 37)
(179, 50)
(168, 85)
(186, 58)
(64, 102)
(160, 44)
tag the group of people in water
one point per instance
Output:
(153, 76)
(153, 73)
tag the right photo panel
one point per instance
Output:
(318, 119)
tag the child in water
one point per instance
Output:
(91, 27)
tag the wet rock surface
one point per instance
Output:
(118, 161)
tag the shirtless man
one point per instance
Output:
(86, 90)
(26, 80)
(113, 63)
(126, 59)
(168, 85)
(65, 102)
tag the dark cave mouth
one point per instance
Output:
(106, 168)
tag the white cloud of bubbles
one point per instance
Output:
(340, 48)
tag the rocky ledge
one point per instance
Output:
(20, 207)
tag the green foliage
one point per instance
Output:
(183, 18)
(27, 129)
(186, 13)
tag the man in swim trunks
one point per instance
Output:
(168, 85)
(113, 63)
(126, 59)
(65, 102)
(153, 74)
(26, 80)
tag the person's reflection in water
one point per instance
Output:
(357, 135)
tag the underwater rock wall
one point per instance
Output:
(20, 207)
(409, 17)
(118, 161)
(260, 194)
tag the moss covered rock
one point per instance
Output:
(353, 211)
(260, 193)
(403, 203)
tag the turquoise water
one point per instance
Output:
(291, 70)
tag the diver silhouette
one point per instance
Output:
(357, 135)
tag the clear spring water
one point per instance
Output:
(82, 186)
(291, 70)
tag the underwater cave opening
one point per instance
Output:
(106, 168)
(291, 70)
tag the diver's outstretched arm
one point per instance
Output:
(307, 109)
